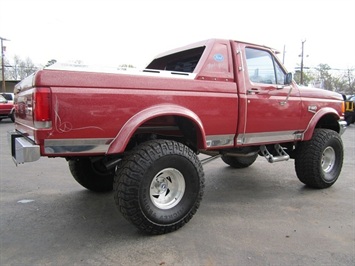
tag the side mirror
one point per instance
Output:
(288, 79)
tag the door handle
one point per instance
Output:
(253, 91)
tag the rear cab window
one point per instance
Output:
(184, 61)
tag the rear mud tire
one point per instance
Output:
(159, 186)
(239, 162)
(319, 161)
(92, 176)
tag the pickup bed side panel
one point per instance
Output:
(86, 113)
(88, 118)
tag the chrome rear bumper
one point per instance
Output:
(22, 150)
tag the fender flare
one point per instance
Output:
(121, 140)
(308, 133)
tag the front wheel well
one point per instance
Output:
(329, 121)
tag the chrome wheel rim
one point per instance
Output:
(328, 159)
(167, 188)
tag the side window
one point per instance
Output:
(262, 67)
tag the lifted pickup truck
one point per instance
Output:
(139, 133)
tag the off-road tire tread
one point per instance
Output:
(308, 155)
(131, 171)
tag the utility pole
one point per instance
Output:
(302, 54)
(2, 63)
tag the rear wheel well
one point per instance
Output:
(170, 127)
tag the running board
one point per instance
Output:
(281, 154)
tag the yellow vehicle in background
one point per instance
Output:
(349, 109)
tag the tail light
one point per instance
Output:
(42, 108)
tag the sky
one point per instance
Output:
(115, 32)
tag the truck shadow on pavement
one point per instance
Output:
(72, 220)
(96, 214)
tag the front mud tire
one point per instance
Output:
(159, 186)
(319, 161)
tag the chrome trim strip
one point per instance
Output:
(219, 140)
(42, 124)
(279, 136)
(82, 146)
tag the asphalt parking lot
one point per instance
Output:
(261, 215)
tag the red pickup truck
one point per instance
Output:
(139, 132)
(6, 106)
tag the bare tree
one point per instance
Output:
(338, 83)
(324, 76)
(350, 81)
(19, 69)
(27, 68)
